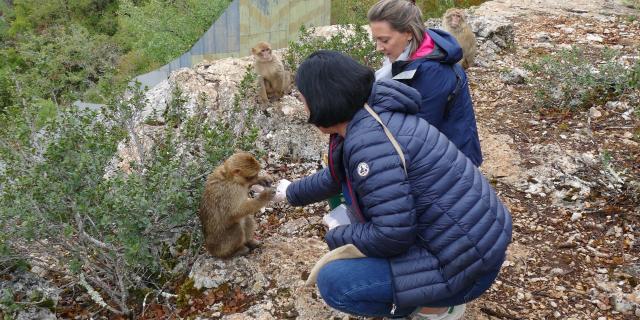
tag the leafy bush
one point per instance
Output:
(577, 78)
(118, 233)
(355, 42)
(350, 11)
(66, 50)
(62, 62)
(355, 11)
(632, 3)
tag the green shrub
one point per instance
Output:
(580, 77)
(355, 11)
(7, 90)
(355, 42)
(350, 11)
(632, 3)
(59, 63)
(67, 50)
(63, 197)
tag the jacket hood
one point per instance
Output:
(449, 49)
(391, 95)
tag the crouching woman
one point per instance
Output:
(432, 229)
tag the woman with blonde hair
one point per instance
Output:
(427, 61)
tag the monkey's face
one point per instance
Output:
(455, 19)
(251, 179)
(388, 40)
(263, 53)
(243, 169)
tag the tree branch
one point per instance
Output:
(95, 296)
(89, 238)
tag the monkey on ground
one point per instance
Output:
(273, 79)
(454, 21)
(226, 211)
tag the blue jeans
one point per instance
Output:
(363, 287)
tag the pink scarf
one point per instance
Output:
(425, 47)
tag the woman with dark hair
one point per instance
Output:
(431, 228)
(427, 61)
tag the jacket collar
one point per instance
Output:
(404, 70)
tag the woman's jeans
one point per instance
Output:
(363, 287)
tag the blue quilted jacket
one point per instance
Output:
(441, 228)
(446, 102)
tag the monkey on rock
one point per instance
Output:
(273, 79)
(226, 211)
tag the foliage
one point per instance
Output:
(355, 42)
(63, 196)
(95, 15)
(7, 90)
(61, 62)
(250, 130)
(350, 11)
(580, 77)
(632, 3)
(436, 8)
(355, 11)
(64, 50)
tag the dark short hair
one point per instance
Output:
(334, 85)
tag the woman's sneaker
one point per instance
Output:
(453, 313)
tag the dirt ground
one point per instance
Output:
(570, 259)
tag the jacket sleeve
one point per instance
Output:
(385, 199)
(316, 187)
(434, 82)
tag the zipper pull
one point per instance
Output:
(393, 309)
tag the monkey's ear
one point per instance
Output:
(236, 171)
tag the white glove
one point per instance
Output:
(337, 217)
(281, 190)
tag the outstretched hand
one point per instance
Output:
(281, 190)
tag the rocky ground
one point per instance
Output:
(567, 177)
(575, 253)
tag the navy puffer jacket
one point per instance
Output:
(438, 78)
(442, 228)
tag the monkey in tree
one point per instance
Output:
(273, 79)
(226, 211)
(454, 21)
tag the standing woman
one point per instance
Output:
(432, 229)
(427, 61)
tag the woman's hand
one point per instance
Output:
(281, 190)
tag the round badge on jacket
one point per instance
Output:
(363, 169)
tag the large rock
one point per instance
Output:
(282, 125)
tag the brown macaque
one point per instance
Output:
(273, 79)
(454, 21)
(226, 211)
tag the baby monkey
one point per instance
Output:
(226, 211)
(273, 79)
(454, 22)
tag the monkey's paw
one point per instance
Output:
(253, 243)
(244, 250)
(267, 194)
